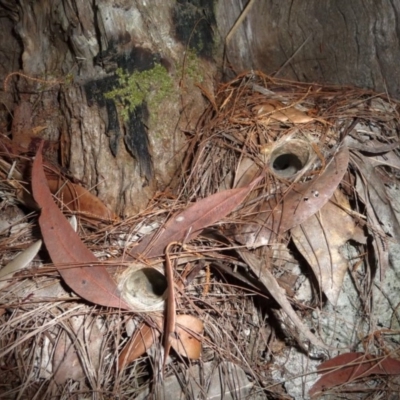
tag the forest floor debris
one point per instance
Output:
(287, 221)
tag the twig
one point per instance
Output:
(170, 318)
(235, 26)
(292, 57)
(55, 82)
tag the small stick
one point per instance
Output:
(239, 21)
(235, 26)
(54, 82)
(170, 318)
(292, 57)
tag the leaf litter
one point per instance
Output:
(274, 164)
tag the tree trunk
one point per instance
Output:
(341, 42)
(123, 148)
(127, 148)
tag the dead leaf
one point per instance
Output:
(296, 116)
(276, 110)
(246, 172)
(186, 343)
(68, 253)
(371, 146)
(140, 342)
(320, 238)
(190, 222)
(381, 216)
(302, 201)
(372, 191)
(375, 194)
(82, 334)
(76, 198)
(19, 262)
(348, 367)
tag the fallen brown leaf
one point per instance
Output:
(76, 198)
(274, 109)
(72, 196)
(186, 343)
(320, 239)
(82, 334)
(141, 340)
(190, 222)
(302, 201)
(348, 367)
(380, 211)
(68, 253)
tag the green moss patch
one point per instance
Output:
(151, 86)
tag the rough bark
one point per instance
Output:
(81, 43)
(341, 42)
